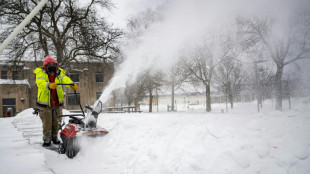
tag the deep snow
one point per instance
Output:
(193, 141)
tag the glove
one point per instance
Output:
(74, 86)
(52, 85)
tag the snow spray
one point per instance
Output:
(184, 22)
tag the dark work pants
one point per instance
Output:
(49, 122)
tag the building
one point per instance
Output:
(18, 90)
(197, 98)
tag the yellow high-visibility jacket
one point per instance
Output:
(42, 81)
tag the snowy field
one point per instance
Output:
(240, 141)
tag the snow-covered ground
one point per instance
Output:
(238, 141)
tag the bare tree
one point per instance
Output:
(228, 72)
(292, 46)
(201, 68)
(263, 82)
(136, 91)
(229, 78)
(266, 79)
(152, 82)
(62, 28)
(176, 77)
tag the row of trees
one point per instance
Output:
(250, 55)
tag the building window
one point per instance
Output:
(98, 94)
(99, 77)
(72, 99)
(15, 75)
(74, 77)
(4, 75)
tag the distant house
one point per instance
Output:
(18, 90)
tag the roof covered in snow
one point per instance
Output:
(13, 82)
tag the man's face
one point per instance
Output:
(52, 64)
(51, 67)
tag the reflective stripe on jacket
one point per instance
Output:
(42, 81)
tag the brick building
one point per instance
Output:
(18, 90)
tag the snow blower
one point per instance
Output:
(79, 125)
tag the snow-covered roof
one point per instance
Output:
(13, 82)
(3, 63)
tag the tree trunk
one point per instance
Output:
(231, 104)
(151, 101)
(231, 101)
(278, 86)
(172, 98)
(44, 45)
(226, 103)
(136, 105)
(208, 98)
(60, 53)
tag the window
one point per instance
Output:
(99, 77)
(9, 101)
(4, 75)
(72, 99)
(98, 94)
(74, 77)
(15, 75)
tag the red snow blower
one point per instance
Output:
(79, 125)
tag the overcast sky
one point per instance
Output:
(124, 9)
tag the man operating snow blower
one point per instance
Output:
(50, 97)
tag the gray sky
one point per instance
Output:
(124, 9)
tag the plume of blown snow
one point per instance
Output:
(185, 22)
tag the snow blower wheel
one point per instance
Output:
(72, 148)
(61, 149)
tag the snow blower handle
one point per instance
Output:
(78, 101)
(76, 96)
(71, 84)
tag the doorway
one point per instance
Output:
(9, 104)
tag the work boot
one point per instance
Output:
(55, 140)
(46, 143)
